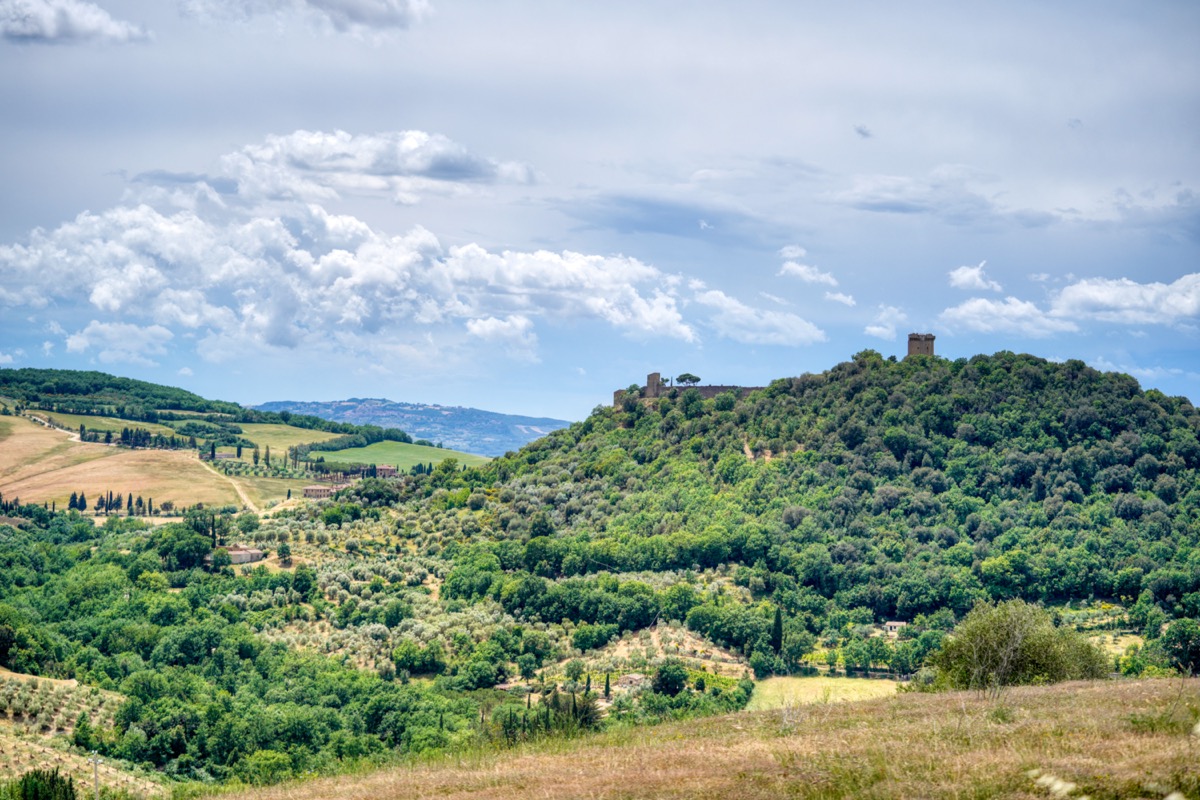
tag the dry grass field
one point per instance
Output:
(114, 424)
(38, 464)
(774, 693)
(1129, 739)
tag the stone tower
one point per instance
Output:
(920, 344)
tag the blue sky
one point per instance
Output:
(523, 205)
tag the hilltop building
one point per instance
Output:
(920, 344)
(656, 387)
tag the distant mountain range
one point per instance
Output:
(470, 429)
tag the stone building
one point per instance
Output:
(920, 344)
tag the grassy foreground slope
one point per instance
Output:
(1112, 740)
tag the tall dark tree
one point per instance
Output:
(777, 632)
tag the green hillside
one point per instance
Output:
(401, 455)
(675, 546)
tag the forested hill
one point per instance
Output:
(881, 489)
(487, 433)
(91, 392)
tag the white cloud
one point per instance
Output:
(185, 372)
(515, 332)
(737, 321)
(6, 358)
(973, 278)
(1127, 301)
(1008, 316)
(840, 297)
(294, 275)
(792, 252)
(948, 192)
(886, 320)
(121, 342)
(807, 273)
(355, 16)
(319, 165)
(63, 21)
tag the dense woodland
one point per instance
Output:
(773, 525)
(210, 421)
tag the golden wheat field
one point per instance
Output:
(38, 464)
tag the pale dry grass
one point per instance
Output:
(928, 746)
(782, 692)
(28, 449)
(41, 465)
(114, 424)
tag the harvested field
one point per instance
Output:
(1111, 739)
(114, 424)
(784, 692)
(42, 465)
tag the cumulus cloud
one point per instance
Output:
(840, 297)
(355, 16)
(63, 22)
(515, 332)
(7, 358)
(1126, 301)
(973, 278)
(735, 320)
(807, 273)
(1008, 316)
(118, 342)
(886, 320)
(246, 282)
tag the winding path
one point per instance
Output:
(237, 487)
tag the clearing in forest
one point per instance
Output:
(785, 692)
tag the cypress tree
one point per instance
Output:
(777, 632)
(607, 687)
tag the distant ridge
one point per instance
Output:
(472, 430)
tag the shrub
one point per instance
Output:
(670, 678)
(1014, 643)
(40, 784)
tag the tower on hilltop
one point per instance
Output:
(920, 344)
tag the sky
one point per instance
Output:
(522, 205)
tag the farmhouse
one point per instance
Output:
(385, 471)
(892, 627)
(319, 492)
(240, 554)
